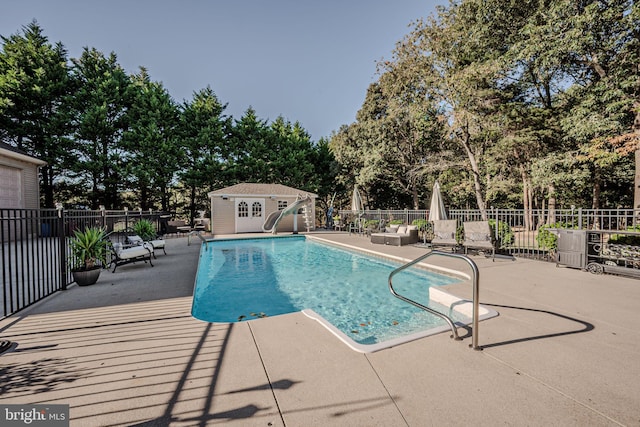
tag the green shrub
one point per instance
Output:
(623, 239)
(460, 234)
(506, 237)
(371, 224)
(145, 229)
(626, 239)
(422, 224)
(425, 227)
(546, 239)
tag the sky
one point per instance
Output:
(308, 61)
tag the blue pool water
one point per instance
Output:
(251, 278)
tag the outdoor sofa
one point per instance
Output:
(396, 235)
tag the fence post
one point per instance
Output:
(62, 246)
(580, 219)
(103, 212)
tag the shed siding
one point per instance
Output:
(223, 216)
(28, 186)
(31, 187)
(11, 188)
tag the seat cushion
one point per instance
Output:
(158, 243)
(133, 252)
(479, 237)
(135, 240)
(444, 235)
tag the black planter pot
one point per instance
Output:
(86, 277)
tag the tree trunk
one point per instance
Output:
(636, 192)
(95, 197)
(192, 204)
(551, 218)
(164, 198)
(597, 189)
(475, 171)
(143, 198)
(636, 130)
(526, 199)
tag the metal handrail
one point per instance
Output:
(197, 233)
(476, 281)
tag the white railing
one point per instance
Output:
(518, 231)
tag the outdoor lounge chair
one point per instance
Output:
(136, 240)
(477, 235)
(444, 233)
(125, 255)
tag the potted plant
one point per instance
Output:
(88, 255)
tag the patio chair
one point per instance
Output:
(128, 254)
(477, 235)
(444, 233)
(135, 240)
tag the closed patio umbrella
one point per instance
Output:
(437, 210)
(357, 206)
(356, 202)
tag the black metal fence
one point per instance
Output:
(34, 249)
(34, 242)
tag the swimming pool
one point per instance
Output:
(346, 291)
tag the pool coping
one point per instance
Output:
(424, 265)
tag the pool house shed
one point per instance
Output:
(19, 186)
(244, 208)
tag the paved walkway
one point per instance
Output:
(565, 350)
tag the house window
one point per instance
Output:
(256, 209)
(282, 204)
(243, 210)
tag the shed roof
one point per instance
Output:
(15, 153)
(259, 190)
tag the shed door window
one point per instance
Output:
(256, 209)
(243, 210)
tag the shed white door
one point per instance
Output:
(10, 187)
(249, 215)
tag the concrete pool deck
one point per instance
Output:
(565, 350)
